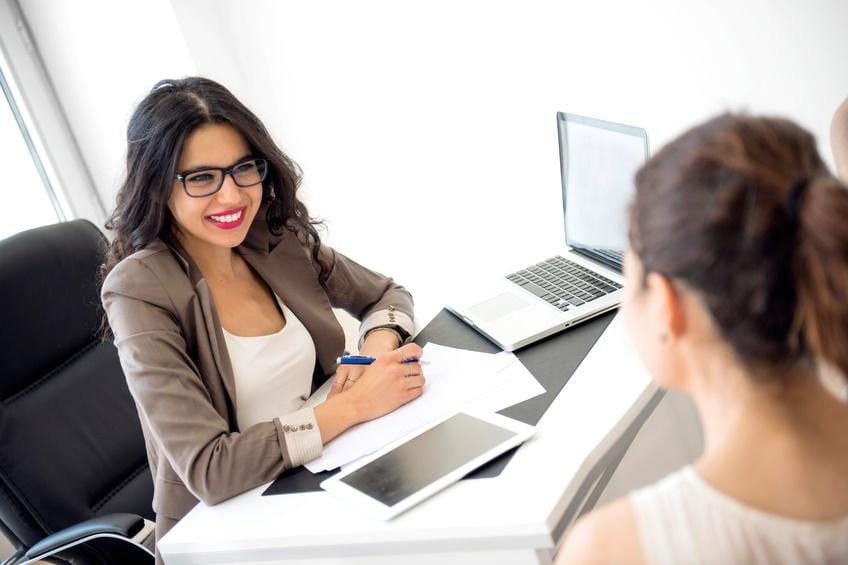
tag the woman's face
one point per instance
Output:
(646, 315)
(221, 219)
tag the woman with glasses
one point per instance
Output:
(219, 294)
(736, 295)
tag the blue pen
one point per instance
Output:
(365, 360)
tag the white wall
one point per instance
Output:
(427, 131)
(102, 57)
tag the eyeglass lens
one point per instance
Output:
(202, 183)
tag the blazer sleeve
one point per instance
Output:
(372, 298)
(211, 461)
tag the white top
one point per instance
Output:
(682, 519)
(273, 377)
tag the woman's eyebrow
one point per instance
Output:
(202, 167)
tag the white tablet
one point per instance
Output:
(407, 471)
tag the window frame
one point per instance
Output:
(43, 123)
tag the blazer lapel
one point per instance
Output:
(217, 343)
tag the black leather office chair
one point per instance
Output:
(74, 479)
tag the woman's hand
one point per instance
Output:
(387, 383)
(381, 387)
(378, 342)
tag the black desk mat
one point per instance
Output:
(552, 361)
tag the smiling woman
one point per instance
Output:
(219, 293)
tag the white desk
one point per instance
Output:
(514, 518)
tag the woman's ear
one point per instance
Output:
(665, 306)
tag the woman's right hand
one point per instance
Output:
(387, 383)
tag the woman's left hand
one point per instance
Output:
(378, 342)
(346, 376)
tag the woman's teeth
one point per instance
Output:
(229, 218)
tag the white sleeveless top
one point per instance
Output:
(684, 520)
(273, 372)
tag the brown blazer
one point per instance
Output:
(175, 359)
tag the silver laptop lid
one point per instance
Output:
(598, 160)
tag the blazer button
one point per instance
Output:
(286, 428)
(303, 426)
(309, 426)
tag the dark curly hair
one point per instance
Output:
(157, 129)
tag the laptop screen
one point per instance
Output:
(598, 161)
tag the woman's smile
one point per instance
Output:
(228, 219)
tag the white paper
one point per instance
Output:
(454, 377)
(520, 385)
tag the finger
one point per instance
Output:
(415, 381)
(349, 382)
(339, 381)
(413, 393)
(412, 369)
(353, 373)
(335, 388)
(408, 351)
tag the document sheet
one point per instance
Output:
(455, 379)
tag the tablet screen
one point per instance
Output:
(426, 458)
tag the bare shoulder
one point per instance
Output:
(606, 535)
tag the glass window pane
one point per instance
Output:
(25, 200)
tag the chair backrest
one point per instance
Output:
(71, 446)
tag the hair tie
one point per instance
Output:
(793, 204)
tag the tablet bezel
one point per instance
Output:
(381, 511)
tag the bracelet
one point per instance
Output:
(394, 329)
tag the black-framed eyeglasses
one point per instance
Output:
(208, 181)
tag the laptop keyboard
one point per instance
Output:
(563, 283)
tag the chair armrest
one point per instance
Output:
(120, 525)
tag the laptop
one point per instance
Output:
(598, 161)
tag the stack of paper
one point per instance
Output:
(456, 379)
